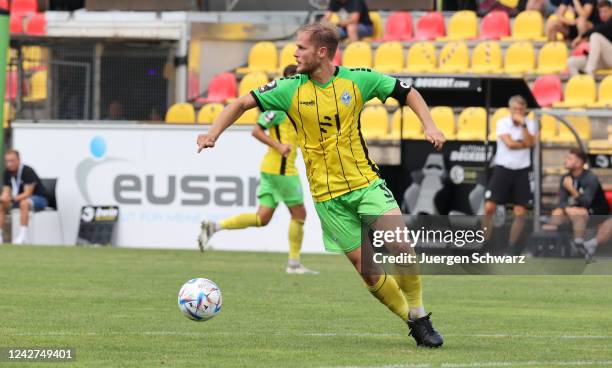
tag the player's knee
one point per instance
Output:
(520, 211)
(490, 208)
(371, 280)
(298, 213)
(24, 205)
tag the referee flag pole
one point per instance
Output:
(4, 45)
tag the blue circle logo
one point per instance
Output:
(97, 147)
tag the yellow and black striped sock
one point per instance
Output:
(388, 292)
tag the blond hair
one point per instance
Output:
(323, 34)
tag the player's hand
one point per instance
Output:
(518, 119)
(435, 137)
(568, 183)
(205, 141)
(284, 149)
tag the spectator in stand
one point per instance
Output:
(115, 111)
(546, 7)
(586, 17)
(599, 37)
(358, 23)
(22, 189)
(510, 179)
(580, 196)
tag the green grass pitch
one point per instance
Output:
(117, 307)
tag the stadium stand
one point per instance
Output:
(454, 58)
(389, 57)
(249, 117)
(580, 91)
(37, 25)
(222, 88)
(520, 58)
(547, 90)
(552, 58)
(444, 118)
(375, 122)
(498, 114)
(38, 87)
(495, 25)
(209, 112)
(605, 94)
(471, 124)
(463, 25)
(421, 58)
(181, 113)
(487, 58)
(548, 128)
(579, 122)
(286, 56)
(24, 6)
(398, 27)
(357, 55)
(528, 25)
(251, 81)
(263, 57)
(377, 25)
(430, 26)
(412, 126)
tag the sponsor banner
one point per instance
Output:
(443, 82)
(601, 161)
(97, 224)
(162, 187)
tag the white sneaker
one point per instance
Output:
(300, 270)
(21, 239)
(589, 251)
(207, 229)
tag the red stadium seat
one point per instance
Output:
(4, 4)
(24, 6)
(547, 90)
(581, 50)
(16, 23)
(37, 24)
(430, 26)
(495, 25)
(221, 88)
(398, 27)
(609, 198)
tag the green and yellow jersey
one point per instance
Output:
(327, 120)
(281, 131)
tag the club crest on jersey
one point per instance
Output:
(267, 87)
(345, 98)
(270, 115)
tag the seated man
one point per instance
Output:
(580, 195)
(599, 37)
(586, 17)
(604, 233)
(358, 24)
(23, 190)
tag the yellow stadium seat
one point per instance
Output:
(463, 25)
(454, 58)
(32, 57)
(552, 58)
(580, 91)
(390, 102)
(249, 117)
(181, 113)
(502, 112)
(444, 117)
(209, 112)
(413, 129)
(605, 93)
(487, 58)
(421, 58)
(389, 57)
(287, 56)
(509, 3)
(581, 124)
(357, 55)
(377, 24)
(38, 87)
(374, 122)
(9, 114)
(548, 128)
(520, 58)
(471, 124)
(263, 57)
(193, 60)
(528, 25)
(251, 81)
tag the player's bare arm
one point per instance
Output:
(228, 116)
(259, 133)
(416, 102)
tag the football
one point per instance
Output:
(199, 299)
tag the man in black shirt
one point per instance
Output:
(22, 189)
(357, 25)
(599, 37)
(580, 195)
(586, 16)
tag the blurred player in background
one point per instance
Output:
(279, 182)
(324, 103)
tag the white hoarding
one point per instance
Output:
(161, 185)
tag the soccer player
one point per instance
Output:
(279, 182)
(324, 103)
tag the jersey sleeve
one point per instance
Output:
(28, 176)
(271, 118)
(374, 84)
(277, 94)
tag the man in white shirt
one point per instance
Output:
(510, 180)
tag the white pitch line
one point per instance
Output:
(529, 363)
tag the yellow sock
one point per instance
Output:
(411, 287)
(296, 234)
(240, 221)
(388, 292)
